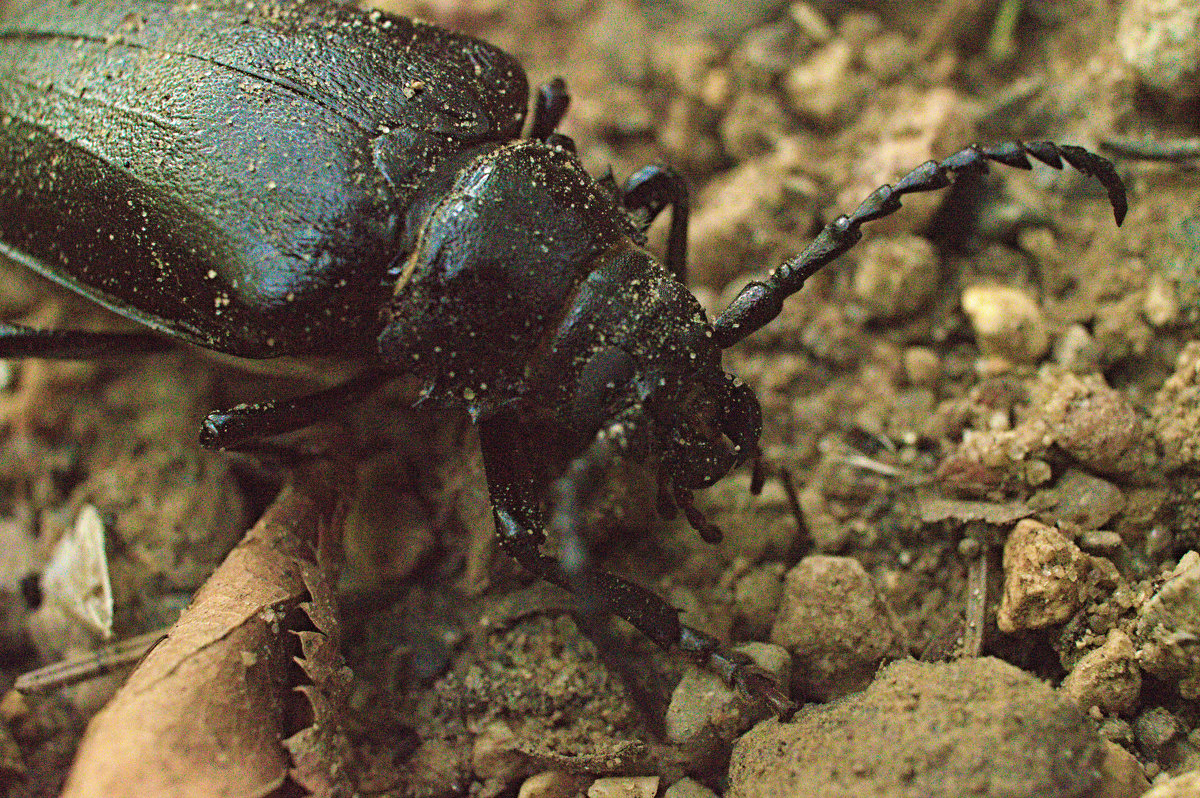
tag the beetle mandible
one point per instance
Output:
(301, 177)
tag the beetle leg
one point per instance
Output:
(515, 488)
(549, 108)
(519, 524)
(709, 532)
(17, 341)
(650, 190)
(760, 302)
(244, 425)
(735, 668)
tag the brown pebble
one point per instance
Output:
(624, 787)
(936, 730)
(836, 623)
(1108, 677)
(1045, 578)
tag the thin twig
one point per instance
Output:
(90, 665)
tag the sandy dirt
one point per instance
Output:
(988, 410)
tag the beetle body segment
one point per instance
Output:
(236, 175)
(494, 267)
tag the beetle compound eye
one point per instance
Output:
(607, 370)
(604, 377)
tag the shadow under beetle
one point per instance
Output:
(304, 178)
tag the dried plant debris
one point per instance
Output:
(204, 712)
(988, 410)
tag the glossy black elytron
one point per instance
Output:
(280, 178)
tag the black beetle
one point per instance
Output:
(297, 178)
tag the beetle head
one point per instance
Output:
(637, 349)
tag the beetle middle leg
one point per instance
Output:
(549, 108)
(649, 191)
(18, 341)
(245, 425)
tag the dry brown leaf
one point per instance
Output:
(203, 713)
(320, 752)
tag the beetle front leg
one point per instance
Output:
(520, 523)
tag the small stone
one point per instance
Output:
(1161, 304)
(896, 276)
(887, 56)
(757, 595)
(1168, 629)
(703, 710)
(1008, 323)
(765, 52)
(1095, 424)
(12, 760)
(553, 784)
(1155, 728)
(837, 625)
(1085, 500)
(1045, 578)
(752, 125)
(1176, 410)
(1108, 677)
(936, 730)
(1076, 350)
(624, 787)
(922, 366)
(14, 706)
(1120, 774)
(969, 548)
(1158, 41)
(434, 764)
(810, 22)
(1185, 785)
(821, 88)
(827, 531)
(494, 757)
(725, 23)
(688, 788)
(1100, 540)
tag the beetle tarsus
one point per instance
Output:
(737, 669)
(709, 532)
(246, 426)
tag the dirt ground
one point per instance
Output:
(989, 411)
